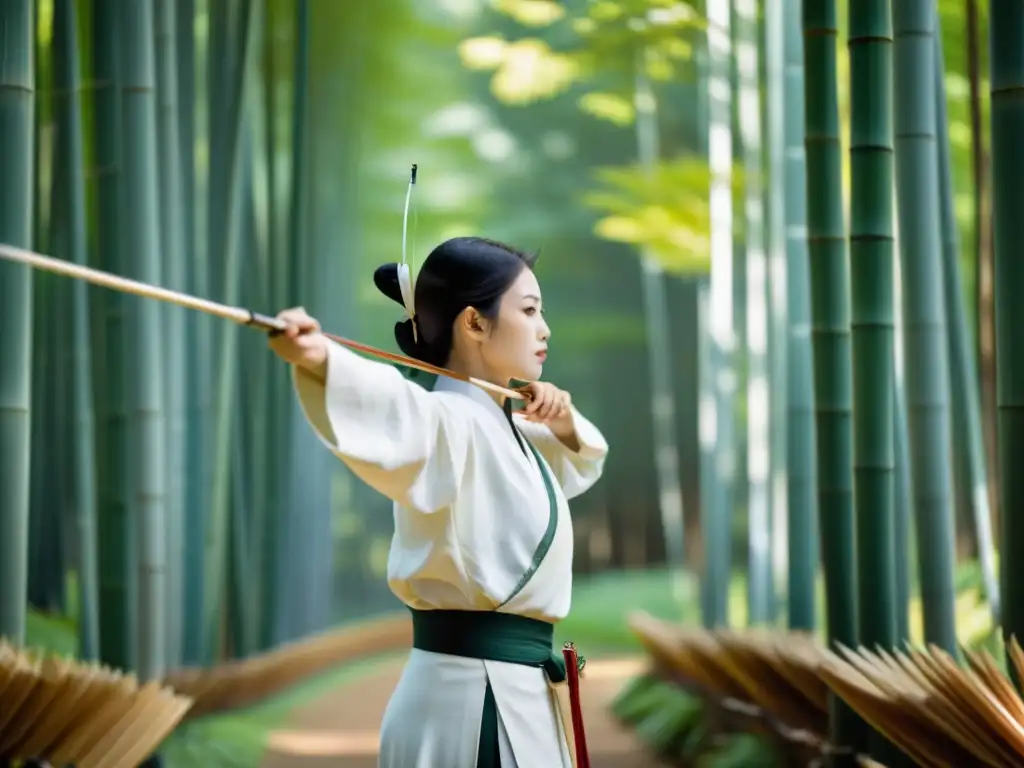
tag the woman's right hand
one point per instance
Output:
(301, 343)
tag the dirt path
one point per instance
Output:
(339, 730)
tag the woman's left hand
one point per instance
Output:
(548, 405)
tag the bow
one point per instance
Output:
(239, 315)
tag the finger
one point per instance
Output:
(536, 402)
(558, 406)
(544, 413)
(288, 319)
(308, 324)
(283, 349)
(298, 316)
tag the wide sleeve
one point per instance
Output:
(403, 441)
(575, 471)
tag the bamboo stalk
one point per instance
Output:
(966, 400)
(872, 315)
(17, 97)
(71, 192)
(142, 243)
(924, 314)
(801, 461)
(718, 434)
(174, 320)
(830, 335)
(198, 357)
(1006, 23)
(663, 413)
(760, 594)
(230, 68)
(116, 546)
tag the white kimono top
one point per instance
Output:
(470, 509)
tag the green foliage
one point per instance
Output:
(601, 604)
(602, 40)
(590, 51)
(664, 210)
(676, 725)
(742, 750)
(239, 739)
(224, 742)
(51, 633)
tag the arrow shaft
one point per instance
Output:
(238, 315)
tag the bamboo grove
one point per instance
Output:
(870, 372)
(884, 428)
(804, 214)
(114, 407)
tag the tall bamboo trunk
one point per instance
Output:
(717, 431)
(666, 452)
(142, 241)
(196, 499)
(175, 277)
(778, 337)
(17, 105)
(872, 317)
(296, 493)
(1006, 35)
(116, 541)
(924, 314)
(983, 274)
(901, 525)
(801, 461)
(830, 335)
(739, 359)
(966, 407)
(759, 574)
(42, 488)
(267, 532)
(902, 498)
(258, 387)
(71, 196)
(226, 201)
(39, 325)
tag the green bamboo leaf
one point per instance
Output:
(613, 107)
(531, 13)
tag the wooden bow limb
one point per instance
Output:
(238, 315)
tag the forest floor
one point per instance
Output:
(339, 728)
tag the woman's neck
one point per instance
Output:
(474, 367)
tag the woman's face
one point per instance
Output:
(516, 345)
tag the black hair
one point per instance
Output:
(459, 273)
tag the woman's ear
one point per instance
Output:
(473, 324)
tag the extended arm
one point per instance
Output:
(397, 437)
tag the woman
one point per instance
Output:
(482, 549)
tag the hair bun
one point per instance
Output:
(416, 347)
(385, 277)
(407, 341)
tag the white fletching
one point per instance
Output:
(408, 291)
(405, 283)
